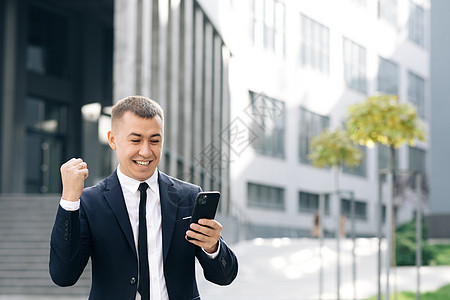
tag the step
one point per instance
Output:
(12, 237)
(23, 252)
(26, 222)
(18, 259)
(6, 267)
(77, 292)
(25, 245)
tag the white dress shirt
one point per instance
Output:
(131, 194)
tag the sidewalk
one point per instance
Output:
(288, 269)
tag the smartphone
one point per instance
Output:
(205, 206)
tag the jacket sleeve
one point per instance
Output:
(221, 270)
(69, 247)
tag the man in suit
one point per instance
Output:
(103, 221)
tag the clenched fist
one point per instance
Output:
(73, 174)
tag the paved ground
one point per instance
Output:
(288, 269)
(285, 269)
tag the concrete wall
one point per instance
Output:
(440, 109)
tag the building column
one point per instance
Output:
(187, 95)
(9, 94)
(225, 122)
(125, 45)
(198, 143)
(207, 119)
(174, 87)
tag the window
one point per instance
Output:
(269, 25)
(417, 159)
(387, 10)
(417, 163)
(47, 43)
(264, 196)
(361, 169)
(311, 125)
(384, 157)
(268, 124)
(309, 203)
(387, 76)
(46, 131)
(416, 93)
(315, 45)
(355, 66)
(416, 24)
(360, 209)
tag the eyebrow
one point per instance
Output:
(140, 135)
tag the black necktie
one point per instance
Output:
(144, 277)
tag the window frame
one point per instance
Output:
(306, 134)
(262, 190)
(355, 66)
(315, 45)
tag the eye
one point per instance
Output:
(154, 141)
(135, 141)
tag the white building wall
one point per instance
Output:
(284, 78)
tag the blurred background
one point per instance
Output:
(245, 85)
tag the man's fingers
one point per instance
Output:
(73, 174)
(85, 173)
(210, 223)
(206, 234)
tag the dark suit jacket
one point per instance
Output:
(101, 229)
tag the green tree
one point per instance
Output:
(334, 149)
(382, 119)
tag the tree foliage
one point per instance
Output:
(334, 148)
(383, 119)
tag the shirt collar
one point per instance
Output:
(133, 184)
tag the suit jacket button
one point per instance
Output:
(133, 280)
(224, 262)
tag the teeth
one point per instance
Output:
(142, 163)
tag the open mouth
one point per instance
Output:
(141, 163)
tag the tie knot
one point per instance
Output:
(143, 186)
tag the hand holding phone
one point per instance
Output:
(205, 207)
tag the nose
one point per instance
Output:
(145, 150)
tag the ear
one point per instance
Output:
(111, 140)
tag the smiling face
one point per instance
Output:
(138, 143)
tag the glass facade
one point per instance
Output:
(47, 43)
(45, 140)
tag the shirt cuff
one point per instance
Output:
(213, 255)
(69, 205)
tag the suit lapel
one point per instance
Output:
(169, 206)
(114, 196)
